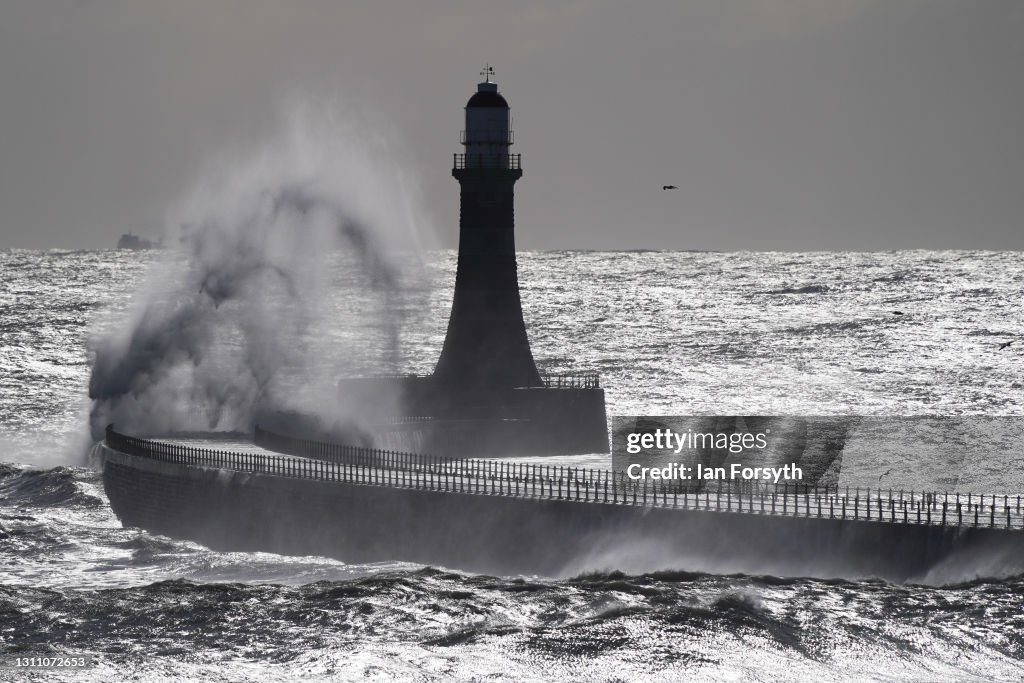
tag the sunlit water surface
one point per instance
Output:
(670, 333)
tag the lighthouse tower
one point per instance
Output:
(485, 396)
(486, 347)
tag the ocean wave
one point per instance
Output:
(839, 326)
(806, 289)
(609, 616)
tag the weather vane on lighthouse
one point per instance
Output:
(487, 73)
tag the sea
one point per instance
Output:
(901, 333)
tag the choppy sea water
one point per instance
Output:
(670, 333)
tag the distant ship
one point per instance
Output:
(130, 241)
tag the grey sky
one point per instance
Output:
(786, 124)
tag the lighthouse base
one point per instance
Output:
(422, 414)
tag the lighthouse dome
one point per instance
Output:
(487, 95)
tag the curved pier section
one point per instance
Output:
(296, 496)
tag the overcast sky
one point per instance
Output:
(786, 124)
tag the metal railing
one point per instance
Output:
(489, 161)
(590, 380)
(321, 461)
(587, 381)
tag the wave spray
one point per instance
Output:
(234, 322)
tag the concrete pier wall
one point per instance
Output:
(488, 421)
(506, 535)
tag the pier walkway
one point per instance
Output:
(281, 456)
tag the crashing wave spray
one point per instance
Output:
(230, 328)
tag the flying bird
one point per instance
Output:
(1004, 345)
(669, 187)
(883, 474)
(897, 312)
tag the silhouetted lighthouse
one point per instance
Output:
(485, 396)
(486, 345)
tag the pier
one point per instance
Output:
(283, 456)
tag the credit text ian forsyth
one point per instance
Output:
(663, 440)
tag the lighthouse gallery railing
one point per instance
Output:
(509, 162)
(328, 462)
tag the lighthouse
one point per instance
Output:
(485, 396)
(486, 347)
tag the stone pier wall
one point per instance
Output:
(506, 535)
